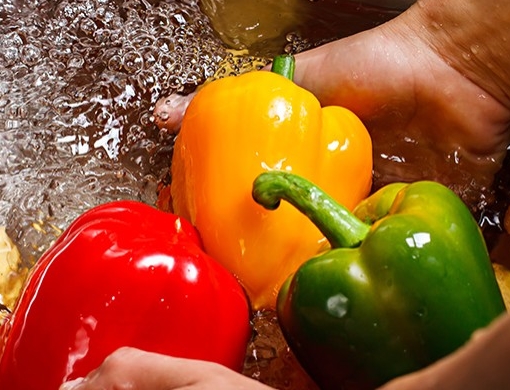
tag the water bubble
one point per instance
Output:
(101, 36)
(30, 54)
(174, 83)
(8, 56)
(115, 62)
(11, 40)
(145, 119)
(115, 38)
(165, 44)
(142, 39)
(146, 80)
(132, 61)
(65, 69)
(75, 61)
(194, 77)
(88, 26)
(135, 134)
(158, 20)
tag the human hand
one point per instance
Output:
(432, 113)
(131, 368)
(431, 86)
(480, 364)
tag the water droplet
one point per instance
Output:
(421, 312)
(337, 305)
(436, 25)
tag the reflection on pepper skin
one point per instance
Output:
(238, 127)
(123, 274)
(407, 282)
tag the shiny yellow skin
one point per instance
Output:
(238, 127)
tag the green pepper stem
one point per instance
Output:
(342, 228)
(284, 65)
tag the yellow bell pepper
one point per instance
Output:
(238, 127)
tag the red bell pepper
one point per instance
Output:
(123, 274)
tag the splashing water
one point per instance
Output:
(78, 82)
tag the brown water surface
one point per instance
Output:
(269, 27)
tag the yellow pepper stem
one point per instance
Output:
(284, 65)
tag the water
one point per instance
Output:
(269, 359)
(269, 27)
(78, 83)
(79, 80)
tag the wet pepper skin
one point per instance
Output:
(408, 281)
(238, 127)
(123, 274)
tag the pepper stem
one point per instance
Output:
(342, 228)
(284, 65)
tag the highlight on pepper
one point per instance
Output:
(123, 274)
(407, 281)
(238, 127)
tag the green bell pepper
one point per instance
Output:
(407, 281)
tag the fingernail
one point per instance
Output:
(71, 385)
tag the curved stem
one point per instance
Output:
(337, 223)
(284, 65)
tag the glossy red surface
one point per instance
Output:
(123, 274)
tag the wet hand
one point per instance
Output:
(130, 368)
(480, 364)
(432, 114)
